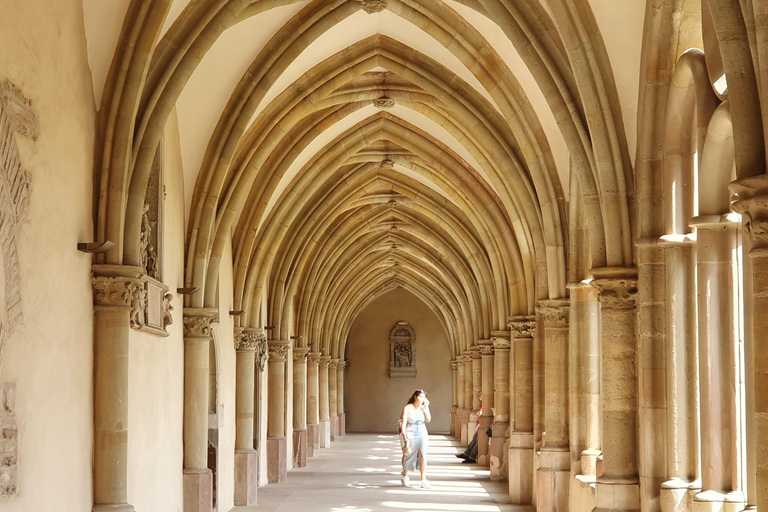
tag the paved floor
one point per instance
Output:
(361, 472)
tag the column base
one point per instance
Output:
(499, 452)
(299, 448)
(277, 460)
(246, 477)
(313, 440)
(483, 457)
(520, 468)
(325, 433)
(677, 495)
(553, 480)
(114, 507)
(342, 424)
(198, 490)
(713, 501)
(616, 495)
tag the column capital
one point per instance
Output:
(198, 322)
(300, 354)
(617, 287)
(474, 352)
(555, 313)
(278, 349)
(314, 357)
(454, 364)
(249, 339)
(116, 285)
(325, 361)
(522, 326)
(486, 348)
(343, 364)
(752, 204)
(333, 364)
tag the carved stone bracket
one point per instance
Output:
(314, 357)
(752, 204)
(198, 322)
(372, 6)
(617, 287)
(278, 349)
(384, 102)
(260, 357)
(555, 313)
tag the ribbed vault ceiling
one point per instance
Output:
(346, 150)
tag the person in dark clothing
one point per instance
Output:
(470, 454)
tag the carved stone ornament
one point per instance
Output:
(261, 353)
(617, 293)
(324, 361)
(486, 348)
(501, 344)
(384, 102)
(314, 357)
(555, 313)
(474, 353)
(454, 365)
(372, 6)
(522, 328)
(387, 164)
(249, 340)
(198, 322)
(402, 362)
(116, 291)
(752, 203)
(278, 350)
(300, 355)
(333, 364)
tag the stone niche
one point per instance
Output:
(402, 361)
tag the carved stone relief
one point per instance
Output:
(373, 6)
(8, 440)
(402, 362)
(149, 241)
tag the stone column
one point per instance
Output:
(618, 486)
(461, 411)
(333, 403)
(455, 397)
(325, 421)
(719, 364)
(469, 400)
(340, 371)
(682, 374)
(313, 405)
(553, 476)
(501, 376)
(476, 387)
(752, 203)
(486, 384)
(277, 447)
(198, 479)
(115, 288)
(521, 443)
(584, 377)
(246, 458)
(300, 407)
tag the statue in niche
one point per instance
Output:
(402, 362)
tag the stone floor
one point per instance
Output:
(361, 472)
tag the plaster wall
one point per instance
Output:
(49, 353)
(374, 401)
(156, 371)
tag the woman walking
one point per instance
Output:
(415, 436)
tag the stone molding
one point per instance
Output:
(314, 357)
(372, 6)
(454, 364)
(324, 361)
(248, 340)
(555, 313)
(522, 327)
(278, 349)
(617, 287)
(486, 348)
(198, 322)
(384, 102)
(300, 354)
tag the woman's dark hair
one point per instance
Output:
(415, 394)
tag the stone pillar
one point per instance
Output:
(476, 388)
(499, 453)
(246, 458)
(584, 377)
(333, 403)
(277, 447)
(682, 375)
(198, 479)
(521, 442)
(340, 397)
(325, 421)
(538, 398)
(455, 396)
(752, 203)
(115, 288)
(461, 411)
(486, 384)
(553, 476)
(313, 405)
(466, 421)
(719, 364)
(300, 407)
(618, 486)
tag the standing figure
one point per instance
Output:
(415, 436)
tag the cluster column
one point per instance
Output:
(553, 476)
(300, 407)
(455, 396)
(470, 401)
(461, 410)
(246, 458)
(501, 376)
(325, 421)
(313, 404)
(114, 288)
(486, 384)
(198, 479)
(333, 399)
(618, 486)
(342, 368)
(277, 447)
(521, 442)
(476, 386)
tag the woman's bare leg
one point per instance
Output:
(422, 465)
